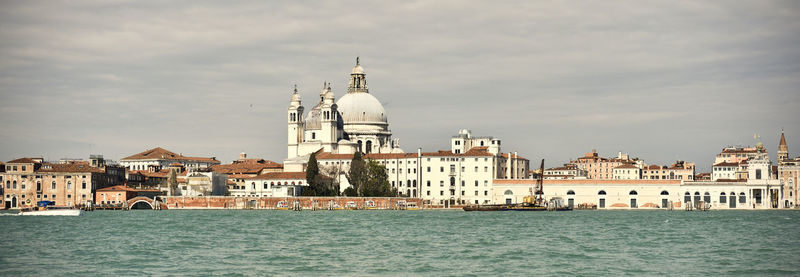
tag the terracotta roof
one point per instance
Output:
(783, 140)
(76, 167)
(651, 167)
(159, 153)
(22, 161)
(244, 167)
(116, 188)
(626, 166)
(726, 164)
(560, 168)
(279, 176)
(239, 176)
(506, 155)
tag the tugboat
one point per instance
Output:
(48, 208)
(529, 203)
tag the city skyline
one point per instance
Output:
(659, 82)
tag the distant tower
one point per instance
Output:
(295, 123)
(358, 79)
(783, 149)
(328, 121)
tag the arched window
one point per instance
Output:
(452, 181)
(265, 185)
(14, 184)
(602, 192)
(359, 146)
(253, 185)
(69, 185)
(722, 197)
(687, 197)
(664, 192)
(570, 192)
(508, 192)
(633, 192)
(742, 197)
(707, 197)
(369, 147)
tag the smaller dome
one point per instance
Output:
(358, 69)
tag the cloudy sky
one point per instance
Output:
(661, 80)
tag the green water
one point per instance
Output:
(403, 243)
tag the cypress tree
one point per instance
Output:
(312, 176)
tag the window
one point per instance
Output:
(462, 192)
(441, 192)
(476, 193)
(23, 168)
(429, 169)
(22, 185)
(69, 185)
(83, 185)
(14, 184)
(722, 198)
(462, 183)
(742, 198)
(429, 193)
(485, 192)
(53, 185)
(429, 183)
(485, 169)
(476, 169)
(463, 169)
(441, 183)
(476, 183)
(441, 169)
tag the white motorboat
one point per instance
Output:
(44, 208)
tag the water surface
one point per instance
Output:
(241, 242)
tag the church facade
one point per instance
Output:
(356, 122)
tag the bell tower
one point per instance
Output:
(783, 149)
(294, 124)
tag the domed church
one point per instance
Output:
(356, 122)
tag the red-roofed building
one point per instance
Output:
(67, 183)
(271, 184)
(116, 195)
(159, 158)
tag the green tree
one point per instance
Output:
(357, 174)
(312, 177)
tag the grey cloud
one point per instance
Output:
(661, 80)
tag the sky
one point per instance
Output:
(659, 80)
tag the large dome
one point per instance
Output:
(358, 108)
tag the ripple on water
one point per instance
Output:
(227, 242)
